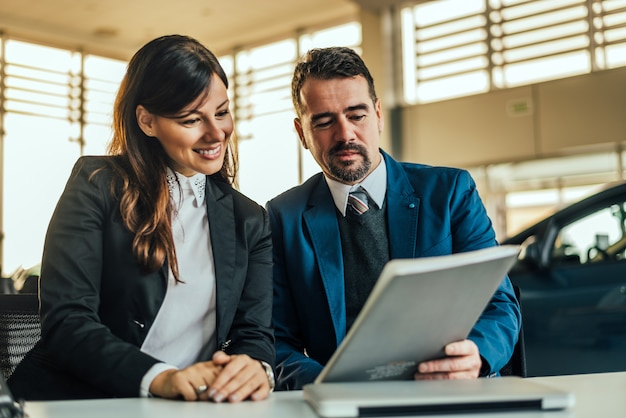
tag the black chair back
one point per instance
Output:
(20, 329)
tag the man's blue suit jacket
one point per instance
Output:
(431, 211)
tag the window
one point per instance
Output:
(270, 155)
(263, 114)
(57, 106)
(102, 79)
(597, 237)
(454, 48)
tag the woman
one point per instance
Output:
(156, 274)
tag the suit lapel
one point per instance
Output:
(222, 226)
(402, 211)
(321, 221)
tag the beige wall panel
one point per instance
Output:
(582, 111)
(492, 127)
(375, 58)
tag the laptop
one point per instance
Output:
(416, 307)
(478, 397)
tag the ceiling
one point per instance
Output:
(117, 28)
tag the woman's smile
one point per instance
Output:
(210, 153)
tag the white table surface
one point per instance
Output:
(600, 395)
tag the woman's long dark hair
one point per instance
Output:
(164, 76)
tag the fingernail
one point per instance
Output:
(212, 393)
(234, 398)
(218, 397)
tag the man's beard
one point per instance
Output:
(352, 171)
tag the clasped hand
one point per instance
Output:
(462, 362)
(225, 377)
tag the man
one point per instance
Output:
(327, 256)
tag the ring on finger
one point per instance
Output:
(201, 389)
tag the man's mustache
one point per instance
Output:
(347, 147)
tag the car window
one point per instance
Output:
(597, 237)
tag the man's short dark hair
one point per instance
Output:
(328, 64)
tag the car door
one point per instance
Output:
(574, 306)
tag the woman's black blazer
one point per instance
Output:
(97, 304)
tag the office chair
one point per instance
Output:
(20, 329)
(517, 363)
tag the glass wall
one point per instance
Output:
(57, 106)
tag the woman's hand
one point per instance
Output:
(240, 377)
(185, 383)
(226, 377)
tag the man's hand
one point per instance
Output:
(463, 362)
